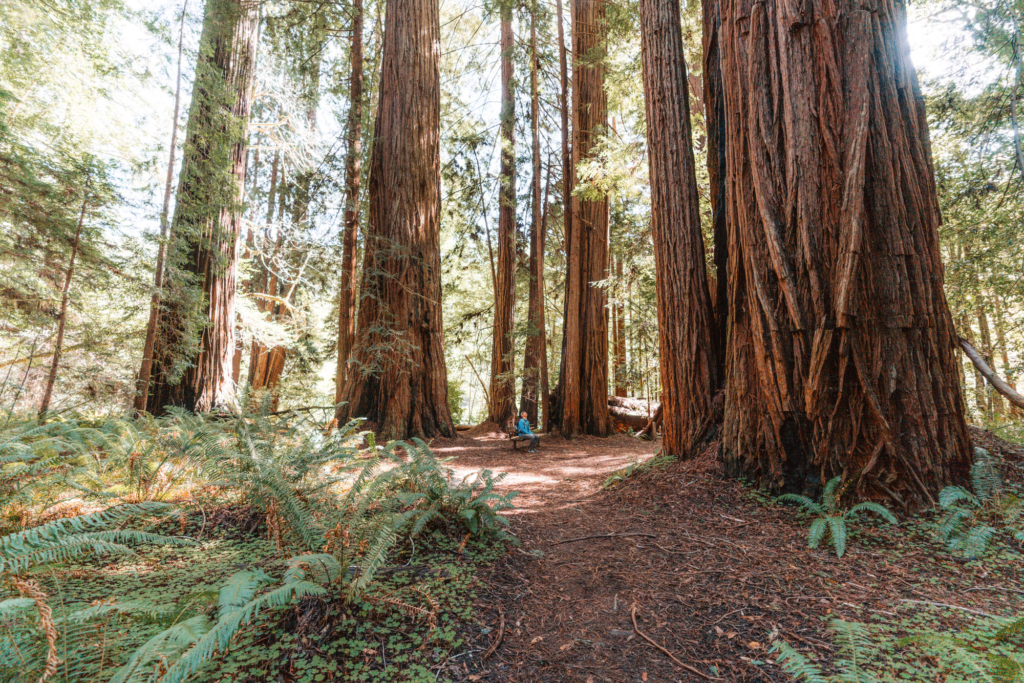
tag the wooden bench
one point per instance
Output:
(520, 437)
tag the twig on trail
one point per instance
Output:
(585, 538)
(689, 668)
(944, 604)
(501, 634)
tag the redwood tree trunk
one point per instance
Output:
(841, 344)
(714, 116)
(503, 385)
(568, 182)
(400, 382)
(686, 327)
(145, 372)
(353, 169)
(535, 333)
(196, 341)
(584, 388)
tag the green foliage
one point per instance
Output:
(433, 496)
(855, 647)
(969, 521)
(830, 519)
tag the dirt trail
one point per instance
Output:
(713, 575)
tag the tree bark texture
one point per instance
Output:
(714, 116)
(584, 390)
(841, 344)
(353, 171)
(686, 324)
(401, 382)
(533, 361)
(568, 183)
(148, 347)
(196, 340)
(503, 384)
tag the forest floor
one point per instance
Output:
(707, 568)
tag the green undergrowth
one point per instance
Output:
(959, 614)
(234, 548)
(409, 622)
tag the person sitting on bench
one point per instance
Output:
(525, 431)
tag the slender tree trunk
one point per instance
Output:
(196, 341)
(353, 171)
(686, 321)
(1000, 325)
(1018, 64)
(584, 391)
(993, 402)
(401, 382)
(250, 243)
(568, 182)
(503, 385)
(714, 115)
(841, 344)
(535, 338)
(62, 318)
(619, 338)
(142, 384)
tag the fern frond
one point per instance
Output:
(797, 664)
(802, 501)
(879, 510)
(837, 527)
(954, 495)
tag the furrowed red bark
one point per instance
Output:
(686, 325)
(401, 382)
(196, 340)
(568, 183)
(841, 344)
(353, 170)
(584, 390)
(714, 116)
(503, 386)
(533, 362)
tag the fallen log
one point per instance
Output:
(995, 380)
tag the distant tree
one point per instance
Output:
(583, 388)
(195, 346)
(686, 325)
(502, 386)
(400, 379)
(353, 170)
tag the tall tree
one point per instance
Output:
(841, 344)
(714, 116)
(619, 337)
(534, 365)
(400, 381)
(503, 386)
(583, 391)
(196, 340)
(686, 326)
(353, 169)
(142, 385)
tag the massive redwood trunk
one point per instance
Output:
(503, 384)
(534, 365)
(583, 391)
(619, 337)
(353, 169)
(686, 326)
(841, 345)
(193, 357)
(400, 382)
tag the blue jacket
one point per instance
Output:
(524, 426)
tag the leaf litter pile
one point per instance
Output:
(673, 573)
